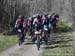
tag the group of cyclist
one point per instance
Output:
(39, 26)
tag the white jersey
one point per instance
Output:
(35, 21)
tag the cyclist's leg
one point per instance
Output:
(46, 36)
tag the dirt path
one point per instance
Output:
(25, 50)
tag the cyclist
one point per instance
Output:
(54, 20)
(50, 26)
(19, 25)
(37, 27)
(32, 28)
(46, 28)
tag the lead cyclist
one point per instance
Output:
(37, 27)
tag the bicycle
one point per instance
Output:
(46, 34)
(38, 39)
(21, 37)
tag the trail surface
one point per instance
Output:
(29, 49)
(24, 50)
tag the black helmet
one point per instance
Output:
(57, 15)
(38, 16)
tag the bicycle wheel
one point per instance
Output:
(21, 38)
(38, 44)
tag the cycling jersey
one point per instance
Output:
(37, 24)
(20, 25)
(46, 24)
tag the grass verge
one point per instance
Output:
(7, 41)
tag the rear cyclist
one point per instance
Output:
(19, 25)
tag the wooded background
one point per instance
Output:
(9, 9)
